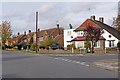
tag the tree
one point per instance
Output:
(87, 45)
(49, 42)
(116, 23)
(118, 44)
(70, 26)
(5, 31)
(33, 46)
(92, 34)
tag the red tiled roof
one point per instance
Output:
(79, 39)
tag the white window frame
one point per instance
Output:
(41, 38)
(68, 33)
(112, 43)
(80, 33)
(45, 37)
(98, 45)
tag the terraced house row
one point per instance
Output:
(56, 34)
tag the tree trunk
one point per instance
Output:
(92, 49)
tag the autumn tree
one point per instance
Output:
(49, 42)
(5, 31)
(116, 23)
(92, 34)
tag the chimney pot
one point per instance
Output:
(101, 19)
(93, 17)
(58, 29)
(58, 26)
(38, 30)
(24, 32)
(29, 31)
(18, 33)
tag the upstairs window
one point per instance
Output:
(52, 37)
(80, 33)
(68, 33)
(41, 38)
(25, 40)
(45, 37)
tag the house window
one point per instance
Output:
(41, 38)
(80, 33)
(29, 40)
(68, 33)
(25, 40)
(110, 36)
(111, 43)
(97, 44)
(71, 36)
(45, 37)
(79, 44)
(52, 37)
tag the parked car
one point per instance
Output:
(54, 47)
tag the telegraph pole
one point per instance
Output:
(36, 29)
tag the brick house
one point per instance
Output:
(108, 39)
(55, 33)
(29, 37)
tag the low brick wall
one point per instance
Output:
(76, 51)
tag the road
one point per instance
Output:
(26, 65)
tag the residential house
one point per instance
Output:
(29, 37)
(69, 34)
(8, 42)
(108, 39)
(55, 33)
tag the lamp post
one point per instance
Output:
(36, 29)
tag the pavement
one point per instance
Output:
(26, 65)
(110, 64)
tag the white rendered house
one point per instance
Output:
(69, 34)
(108, 39)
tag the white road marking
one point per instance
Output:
(73, 61)
(69, 60)
(82, 63)
(77, 62)
(55, 58)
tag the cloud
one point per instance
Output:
(22, 15)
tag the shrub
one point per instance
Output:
(87, 45)
(118, 44)
(33, 47)
(14, 48)
(41, 46)
(78, 48)
(69, 47)
(109, 49)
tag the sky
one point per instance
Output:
(21, 15)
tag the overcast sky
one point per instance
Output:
(22, 14)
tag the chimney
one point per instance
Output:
(18, 33)
(38, 30)
(29, 31)
(101, 19)
(57, 26)
(93, 17)
(58, 29)
(24, 32)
